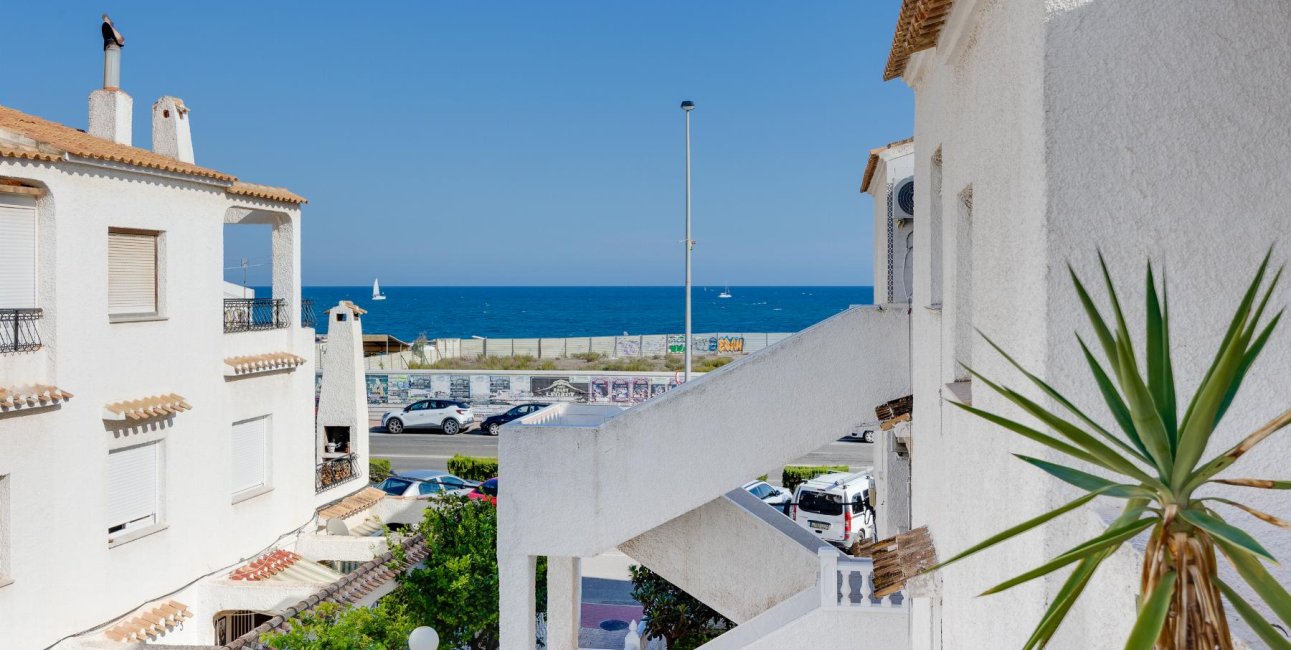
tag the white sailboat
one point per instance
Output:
(726, 293)
(376, 291)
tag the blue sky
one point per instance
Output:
(512, 143)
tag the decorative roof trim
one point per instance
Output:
(20, 398)
(350, 589)
(280, 194)
(266, 566)
(352, 505)
(156, 406)
(873, 164)
(358, 311)
(150, 623)
(918, 27)
(249, 365)
(27, 154)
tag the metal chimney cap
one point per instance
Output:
(688, 106)
(110, 34)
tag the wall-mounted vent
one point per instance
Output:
(903, 203)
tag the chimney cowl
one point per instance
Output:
(171, 135)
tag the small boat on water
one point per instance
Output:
(376, 290)
(726, 293)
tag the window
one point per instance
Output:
(419, 406)
(249, 455)
(820, 503)
(17, 254)
(761, 490)
(452, 483)
(428, 488)
(395, 486)
(132, 273)
(133, 491)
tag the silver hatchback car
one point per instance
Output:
(425, 483)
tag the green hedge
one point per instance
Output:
(473, 468)
(378, 469)
(796, 474)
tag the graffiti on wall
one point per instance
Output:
(676, 344)
(730, 344)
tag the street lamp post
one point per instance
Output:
(687, 107)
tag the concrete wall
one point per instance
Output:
(1144, 129)
(622, 467)
(65, 576)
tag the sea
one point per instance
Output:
(525, 312)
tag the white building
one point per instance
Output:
(152, 434)
(1044, 131)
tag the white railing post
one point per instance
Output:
(633, 640)
(828, 576)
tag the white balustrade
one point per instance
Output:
(848, 582)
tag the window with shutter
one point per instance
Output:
(132, 273)
(249, 457)
(17, 255)
(133, 489)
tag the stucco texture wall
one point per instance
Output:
(1167, 141)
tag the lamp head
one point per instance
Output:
(423, 638)
(688, 106)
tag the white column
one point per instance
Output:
(564, 602)
(286, 264)
(516, 592)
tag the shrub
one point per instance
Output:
(587, 356)
(473, 468)
(705, 364)
(794, 475)
(378, 469)
(681, 619)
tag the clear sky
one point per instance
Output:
(516, 142)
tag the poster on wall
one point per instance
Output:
(640, 389)
(658, 387)
(440, 386)
(571, 389)
(459, 387)
(480, 387)
(520, 387)
(399, 385)
(420, 387)
(378, 388)
(599, 390)
(500, 388)
(621, 390)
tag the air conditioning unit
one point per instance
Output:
(903, 199)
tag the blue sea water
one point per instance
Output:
(524, 312)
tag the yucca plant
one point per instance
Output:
(1155, 465)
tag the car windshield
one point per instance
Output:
(395, 486)
(820, 503)
(517, 411)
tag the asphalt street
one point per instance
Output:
(431, 450)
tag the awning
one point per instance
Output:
(284, 566)
(150, 622)
(14, 398)
(156, 406)
(239, 366)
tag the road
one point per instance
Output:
(429, 450)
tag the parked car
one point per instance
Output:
(493, 424)
(862, 434)
(836, 507)
(426, 483)
(449, 415)
(778, 498)
(486, 491)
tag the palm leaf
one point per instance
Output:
(1115, 404)
(1110, 539)
(1248, 360)
(1255, 483)
(1253, 572)
(1224, 460)
(1066, 403)
(1028, 432)
(1143, 410)
(1222, 530)
(1160, 372)
(1095, 319)
(1087, 481)
(1020, 528)
(1258, 514)
(1152, 615)
(1263, 629)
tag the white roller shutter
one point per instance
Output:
(132, 488)
(248, 454)
(17, 256)
(132, 273)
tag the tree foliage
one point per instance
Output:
(333, 627)
(673, 614)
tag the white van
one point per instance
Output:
(836, 507)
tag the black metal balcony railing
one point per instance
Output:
(307, 318)
(253, 314)
(19, 331)
(334, 471)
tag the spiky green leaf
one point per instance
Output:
(1261, 483)
(1224, 460)
(1095, 318)
(1110, 539)
(1160, 370)
(1112, 397)
(1223, 530)
(1087, 481)
(1263, 629)
(1252, 353)
(1253, 572)
(1152, 615)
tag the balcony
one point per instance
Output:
(255, 314)
(19, 331)
(335, 471)
(307, 317)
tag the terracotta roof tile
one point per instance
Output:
(266, 192)
(150, 623)
(918, 26)
(262, 363)
(353, 504)
(155, 406)
(53, 139)
(873, 162)
(266, 566)
(16, 398)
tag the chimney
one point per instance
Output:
(170, 129)
(110, 108)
